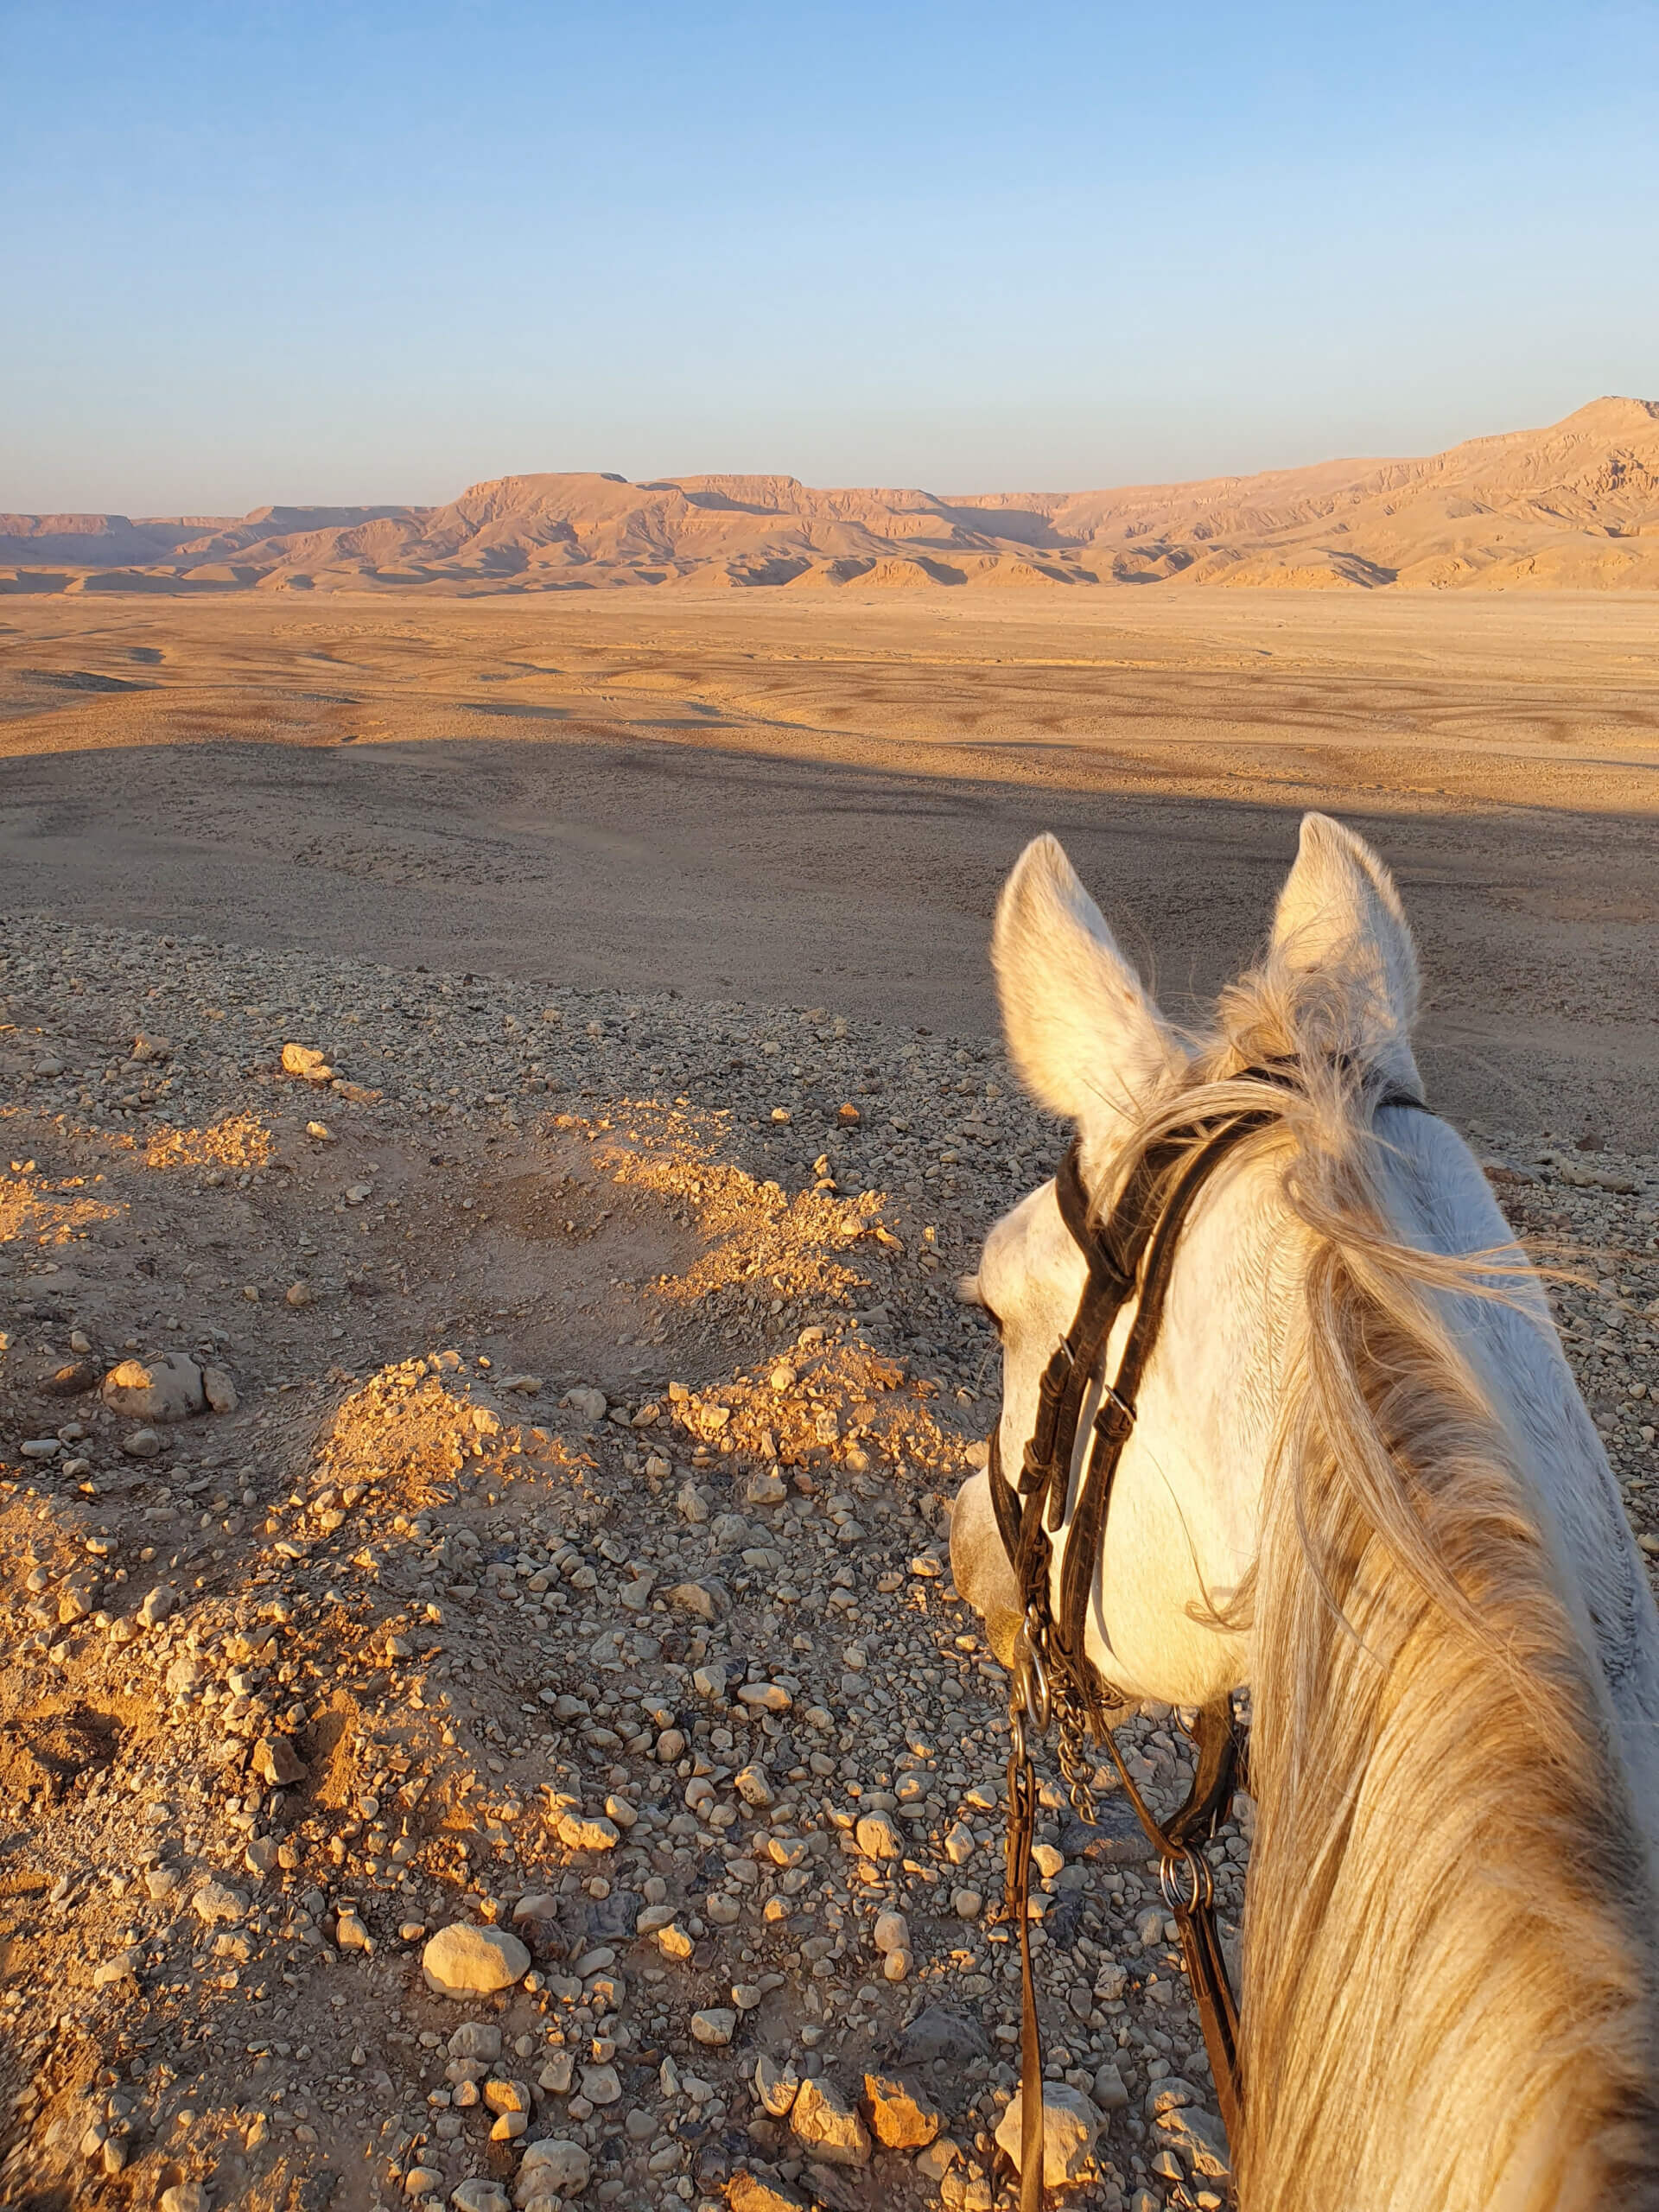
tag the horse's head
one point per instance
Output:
(1093, 1047)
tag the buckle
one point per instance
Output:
(1116, 1418)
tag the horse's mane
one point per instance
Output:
(1449, 1945)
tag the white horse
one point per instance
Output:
(1363, 1482)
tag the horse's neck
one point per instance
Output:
(1449, 1944)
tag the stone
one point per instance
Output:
(166, 1389)
(350, 1934)
(141, 1444)
(219, 1391)
(967, 1904)
(123, 1967)
(70, 1380)
(476, 2195)
(936, 2161)
(1070, 2126)
(901, 2117)
(601, 2085)
(580, 1832)
(696, 1599)
(276, 1762)
(160, 1602)
(587, 1405)
(299, 1294)
(939, 2033)
(775, 2085)
(305, 1060)
(753, 1785)
(714, 2026)
(463, 1960)
(552, 2166)
(1109, 2092)
(477, 2040)
(185, 2196)
(1200, 2139)
(892, 1932)
(422, 2181)
(826, 2126)
(752, 2192)
(959, 1844)
(878, 1838)
(765, 1697)
(692, 1503)
(555, 2077)
(216, 1901)
(505, 2096)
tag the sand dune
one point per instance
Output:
(1571, 507)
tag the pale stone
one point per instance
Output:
(901, 2117)
(715, 2026)
(463, 1960)
(476, 2039)
(877, 1837)
(168, 1388)
(827, 2125)
(1070, 2126)
(892, 1932)
(776, 2086)
(552, 2166)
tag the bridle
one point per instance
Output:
(1130, 1254)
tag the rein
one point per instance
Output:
(1130, 1254)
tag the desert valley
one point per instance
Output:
(499, 1080)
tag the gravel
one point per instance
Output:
(559, 1579)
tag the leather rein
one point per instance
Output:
(1130, 1254)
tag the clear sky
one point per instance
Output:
(376, 252)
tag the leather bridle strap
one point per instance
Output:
(1132, 1251)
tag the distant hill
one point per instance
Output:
(1573, 507)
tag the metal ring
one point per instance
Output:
(1198, 1872)
(1030, 1675)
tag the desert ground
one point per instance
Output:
(497, 1094)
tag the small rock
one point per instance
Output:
(298, 1294)
(167, 1390)
(463, 1960)
(1070, 2126)
(123, 1967)
(827, 2125)
(967, 1904)
(587, 1405)
(555, 2077)
(69, 1381)
(1200, 2139)
(219, 1391)
(160, 1602)
(753, 1785)
(939, 2033)
(141, 1444)
(752, 2192)
(185, 2196)
(147, 1046)
(715, 2026)
(936, 2161)
(422, 2181)
(696, 1599)
(892, 1932)
(877, 1837)
(476, 2039)
(1109, 2094)
(580, 1832)
(959, 1844)
(276, 1762)
(350, 1934)
(901, 2118)
(480, 2196)
(305, 1060)
(600, 2085)
(765, 1697)
(555, 2165)
(775, 2085)
(693, 1505)
(216, 1901)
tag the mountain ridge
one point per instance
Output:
(1574, 505)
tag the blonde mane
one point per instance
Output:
(1449, 1946)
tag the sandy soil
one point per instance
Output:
(567, 1555)
(789, 798)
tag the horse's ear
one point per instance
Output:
(1082, 1033)
(1340, 917)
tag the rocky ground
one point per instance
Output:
(475, 1464)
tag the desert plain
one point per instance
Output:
(497, 1093)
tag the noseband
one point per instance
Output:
(1130, 1254)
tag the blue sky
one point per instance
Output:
(355, 252)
